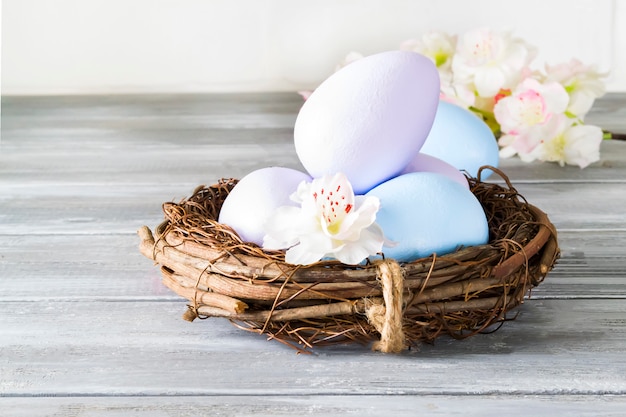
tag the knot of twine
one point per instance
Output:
(191, 313)
(387, 318)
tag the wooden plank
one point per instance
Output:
(136, 106)
(607, 112)
(322, 405)
(102, 267)
(592, 265)
(57, 348)
(123, 160)
(120, 165)
(114, 137)
(574, 206)
(123, 208)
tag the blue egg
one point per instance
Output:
(426, 213)
(462, 139)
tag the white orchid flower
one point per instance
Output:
(330, 222)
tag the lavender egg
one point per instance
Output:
(255, 198)
(462, 139)
(369, 119)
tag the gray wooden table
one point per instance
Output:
(87, 329)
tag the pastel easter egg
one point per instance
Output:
(426, 163)
(426, 213)
(462, 139)
(369, 119)
(255, 198)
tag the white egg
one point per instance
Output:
(427, 163)
(426, 213)
(255, 198)
(369, 119)
(462, 139)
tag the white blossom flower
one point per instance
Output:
(489, 61)
(564, 142)
(331, 222)
(582, 82)
(574, 145)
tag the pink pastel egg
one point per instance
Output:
(426, 163)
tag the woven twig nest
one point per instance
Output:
(395, 305)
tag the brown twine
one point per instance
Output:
(387, 319)
(192, 310)
(191, 313)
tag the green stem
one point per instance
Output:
(613, 136)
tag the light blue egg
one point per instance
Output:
(426, 213)
(462, 139)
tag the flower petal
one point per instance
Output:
(370, 242)
(489, 81)
(302, 255)
(281, 230)
(362, 217)
(335, 199)
(582, 145)
(580, 103)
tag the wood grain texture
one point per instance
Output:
(109, 266)
(145, 348)
(87, 328)
(119, 208)
(316, 405)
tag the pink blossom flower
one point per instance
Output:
(529, 104)
(525, 115)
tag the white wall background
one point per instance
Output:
(131, 46)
